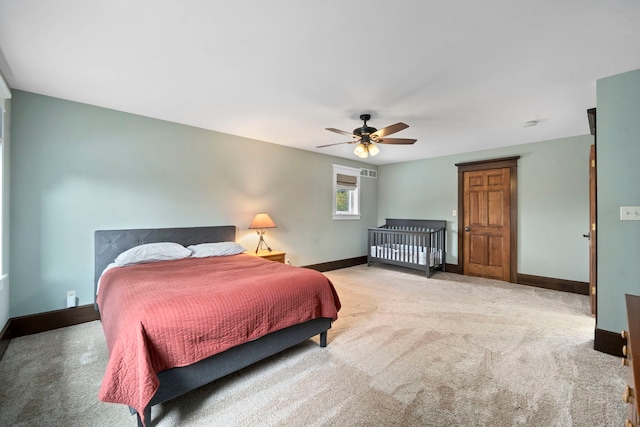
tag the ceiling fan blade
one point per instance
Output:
(341, 132)
(405, 141)
(337, 143)
(389, 130)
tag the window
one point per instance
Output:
(346, 192)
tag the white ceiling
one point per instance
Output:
(464, 75)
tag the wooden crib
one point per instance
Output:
(412, 243)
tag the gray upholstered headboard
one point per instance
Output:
(111, 243)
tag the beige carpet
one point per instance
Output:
(406, 351)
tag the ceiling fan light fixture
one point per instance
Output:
(361, 151)
(373, 149)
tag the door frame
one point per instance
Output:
(504, 162)
(593, 234)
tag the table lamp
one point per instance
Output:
(259, 223)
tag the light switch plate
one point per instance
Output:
(629, 213)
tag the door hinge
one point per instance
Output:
(593, 226)
(593, 163)
(593, 290)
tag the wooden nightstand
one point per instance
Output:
(271, 256)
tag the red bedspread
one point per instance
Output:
(167, 314)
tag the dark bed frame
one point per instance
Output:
(177, 381)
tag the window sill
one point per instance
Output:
(346, 216)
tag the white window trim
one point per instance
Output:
(5, 93)
(345, 170)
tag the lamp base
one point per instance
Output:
(262, 242)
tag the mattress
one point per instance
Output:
(413, 254)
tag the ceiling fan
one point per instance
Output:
(367, 137)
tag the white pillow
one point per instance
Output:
(204, 250)
(152, 252)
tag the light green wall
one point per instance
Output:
(553, 201)
(618, 157)
(76, 168)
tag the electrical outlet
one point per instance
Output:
(71, 299)
(454, 213)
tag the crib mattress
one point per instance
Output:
(407, 253)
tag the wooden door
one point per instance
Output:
(593, 262)
(487, 223)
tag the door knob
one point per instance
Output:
(467, 228)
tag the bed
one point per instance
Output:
(142, 304)
(411, 243)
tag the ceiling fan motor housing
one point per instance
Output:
(365, 130)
